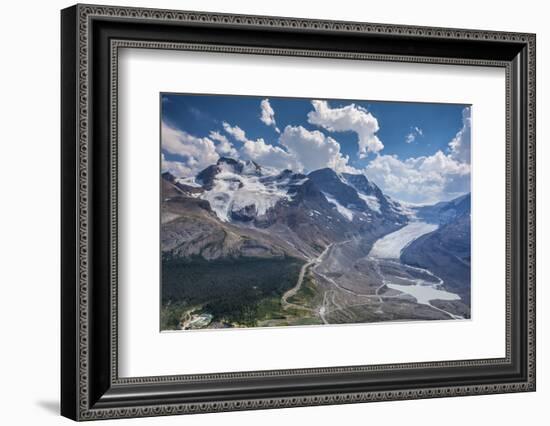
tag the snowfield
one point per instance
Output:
(344, 211)
(371, 200)
(189, 181)
(390, 246)
(233, 192)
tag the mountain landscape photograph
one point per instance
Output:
(300, 212)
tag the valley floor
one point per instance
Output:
(342, 285)
(373, 288)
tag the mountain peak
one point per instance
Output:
(240, 166)
(332, 183)
(324, 170)
(228, 165)
(228, 160)
(362, 184)
(168, 177)
(324, 174)
(359, 177)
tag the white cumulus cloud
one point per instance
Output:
(299, 149)
(269, 155)
(223, 147)
(268, 115)
(349, 118)
(313, 150)
(427, 179)
(195, 153)
(235, 131)
(176, 168)
(261, 152)
(423, 179)
(460, 145)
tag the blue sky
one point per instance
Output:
(416, 152)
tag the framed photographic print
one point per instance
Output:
(263, 212)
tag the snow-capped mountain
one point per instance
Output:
(304, 212)
(445, 211)
(241, 191)
(356, 192)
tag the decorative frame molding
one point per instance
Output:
(91, 388)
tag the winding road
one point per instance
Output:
(289, 293)
(424, 285)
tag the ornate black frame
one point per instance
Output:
(91, 37)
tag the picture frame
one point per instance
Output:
(91, 387)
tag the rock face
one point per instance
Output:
(189, 228)
(208, 176)
(376, 200)
(334, 185)
(446, 251)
